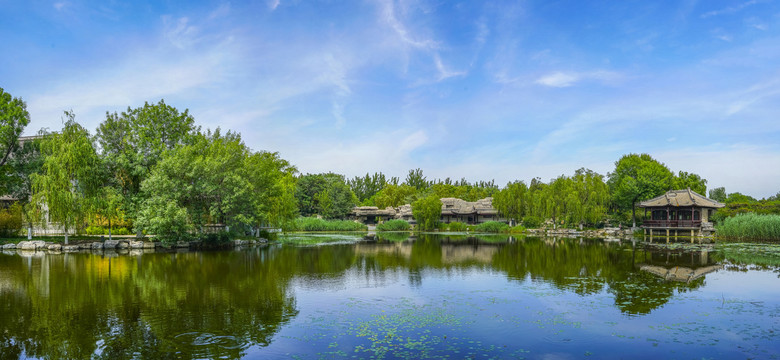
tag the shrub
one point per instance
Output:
(216, 239)
(11, 221)
(95, 230)
(315, 224)
(393, 225)
(492, 227)
(532, 222)
(457, 226)
(121, 231)
(517, 229)
(750, 227)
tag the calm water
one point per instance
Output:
(427, 297)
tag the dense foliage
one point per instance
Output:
(317, 224)
(492, 227)
(426, 212)
(750, 226)
(393, 225)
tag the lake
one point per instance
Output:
(396, 297)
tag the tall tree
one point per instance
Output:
(68, 183)
(426, 212)
(26, 161)
(132, 143)
(417, 180)
(13, 119)
(636, 178)
(591, 197)
(685, 180)
(718, 194)
(511, 200)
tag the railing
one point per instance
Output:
(671, 223)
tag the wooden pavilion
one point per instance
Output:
(679, 210)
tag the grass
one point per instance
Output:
(393, 225)
(457, 226)
(315, 224)
(750, 227)
(492, 227)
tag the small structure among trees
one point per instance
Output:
(679, 210)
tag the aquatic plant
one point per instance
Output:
(393, 225)
(750, 227)
(492, 227)
(315, 224)
(457, 226)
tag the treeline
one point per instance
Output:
(152, 170)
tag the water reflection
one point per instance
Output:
(220, 304)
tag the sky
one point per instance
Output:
(478, 90)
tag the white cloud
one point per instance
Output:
(730, 9)
(445, 73)
(558, 79)
(566, 79)
(60, 5)
(273, 4)
(180, 32)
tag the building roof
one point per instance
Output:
(681, 198)
(455, 206)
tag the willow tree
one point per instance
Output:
(13, 119)
(427, 212)
(69, 180)
(591, 197)
(511, 200)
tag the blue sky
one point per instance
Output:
(481, 90)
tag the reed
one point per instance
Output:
(393, 225)
(750, 226)
(315, 224)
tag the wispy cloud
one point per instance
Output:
(561, 79)
(179, 31)
(730, 9)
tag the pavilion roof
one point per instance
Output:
(681, 198)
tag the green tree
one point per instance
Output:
(108, 204)
(426, 212)
(205, 182)
(685, 180)
(511, 200)
(133, 142)
(68, 183)
(26, 161)
(417, 180)
(591, 197)
(394, 196)
(718, 194)
(324, 194)
(13, 119)
(366, 187)
(273, 182)
(737, 197)
(637, 178)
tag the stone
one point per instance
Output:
(97, 245)
(70, 248)
(9, 246)
(85, 246)
(182, 244)
(148, 245)
(239, 242)
(110, 244)
(123, 244)
(31, 245)
(54, 247)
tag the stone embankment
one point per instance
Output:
(117, 245)
(599, 233)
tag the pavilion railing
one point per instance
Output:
(672, 223)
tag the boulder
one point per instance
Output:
(85, 246)
(70, 248)
(54, 247)
(97, 245)
(31, 245)
(182, 244)
(110, 244)
(148, 245)
(9, 246)
(239, 242)
(136, 244)
(123, 244)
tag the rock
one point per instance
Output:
(97, 245)
(148, 245)
(54, 247)
(9, 246)
(239, 242)
(137, 244)
(182, 244)
(31, 245)
(262, 241)
(123, 244)
(110, 244)
(70, 248)
(85, 246)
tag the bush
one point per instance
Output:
(315, 224)
(518, 229)
(121, 231)
(750, 227)
(532, 222)
(457, 226)
(217, 239)
(492, 227)
(393, 225)
(11, 221)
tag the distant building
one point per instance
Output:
(679, 210)
(452, 210)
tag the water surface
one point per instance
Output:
(397, 297)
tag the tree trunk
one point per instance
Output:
(29, 232)
(66, 236)
(109, 229)
(633, 215)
